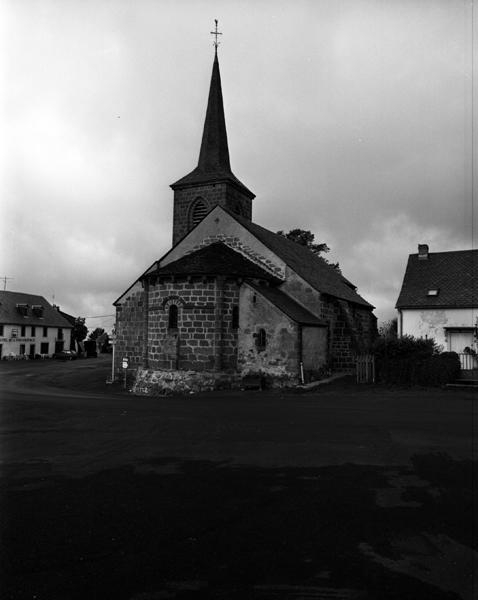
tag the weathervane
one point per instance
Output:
(215, 34)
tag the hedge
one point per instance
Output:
(412, 361)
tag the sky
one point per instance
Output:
(354, 119)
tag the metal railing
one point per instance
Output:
(468, 362)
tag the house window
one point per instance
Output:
(23, 331)
(14, 332)
(261, 339)
(60, 333)
(1, 350)
(45, 332)
(44, 348)
(33, 330)
(37, 310)
(22, 349)
(1, 330)
(235, 317)
(198, 211)
(22, 309)
(173, 317)
(433, 292)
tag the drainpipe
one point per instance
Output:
(218, 313)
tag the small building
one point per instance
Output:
(439, 298)
(31, 326)
(232, 298)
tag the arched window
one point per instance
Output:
(261, 339)
(235, 317)
(199, 210)
(173, 317)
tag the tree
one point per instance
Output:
(306, 238)
(79, 331)
(101, 338)
(389, 329)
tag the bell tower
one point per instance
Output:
(212, 182)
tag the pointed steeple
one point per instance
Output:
(214, 154)
(211, 183)
(213, 165)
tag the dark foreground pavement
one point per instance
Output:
(346, 492)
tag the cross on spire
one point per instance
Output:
(215, 34)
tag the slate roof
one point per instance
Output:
(213, 164)
(10, 315)
(305, 263)
(453, 274)
(288, 306)
(215, 259)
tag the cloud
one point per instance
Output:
(349, 119)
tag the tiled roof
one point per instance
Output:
(215, 259)
(10, 315)
(453, 274)
(305, 263)
(288, 306)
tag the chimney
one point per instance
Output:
(422, 251)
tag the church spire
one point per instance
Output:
(212, 182)
(213, 165)
(214, 153)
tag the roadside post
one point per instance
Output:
(113, 343)
(125, 368)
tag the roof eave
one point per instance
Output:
(185, 183)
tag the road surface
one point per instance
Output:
(345, 492)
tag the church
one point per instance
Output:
(232, 300)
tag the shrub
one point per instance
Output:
(410, 361)
(439, 369)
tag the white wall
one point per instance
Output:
(11, 345)
(431, 323)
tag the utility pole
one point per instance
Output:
(5, 282)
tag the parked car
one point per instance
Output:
(65, 355)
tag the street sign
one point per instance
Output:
(125, 363)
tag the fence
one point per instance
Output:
(365, 368)
(468, 361)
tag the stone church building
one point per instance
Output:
(232, 299)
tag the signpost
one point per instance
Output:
(113, 343)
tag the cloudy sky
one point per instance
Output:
(351, 118)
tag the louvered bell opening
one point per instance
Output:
(199, 212)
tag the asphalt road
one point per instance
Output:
(344, 492)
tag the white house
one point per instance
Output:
(29, 326)
(439, 298)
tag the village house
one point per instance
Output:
(31, 326)
(439, 298)
(231, 298)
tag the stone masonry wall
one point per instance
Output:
(130, 316)
(236, 244)
(223, 194)
(279, 358)
(351, 329)
(193, 346)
